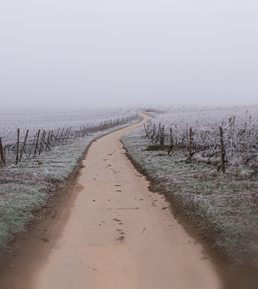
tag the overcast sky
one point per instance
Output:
(79, 53)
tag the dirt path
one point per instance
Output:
(118, 234)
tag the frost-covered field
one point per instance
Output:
(239, 127)
(48, 120)
(223, 206)
(28, 185)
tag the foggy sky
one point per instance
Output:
(79, 53)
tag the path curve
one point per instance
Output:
(118, 234)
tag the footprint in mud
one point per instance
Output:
(121, 238)
(45, 239)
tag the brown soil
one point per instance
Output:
(107, 230)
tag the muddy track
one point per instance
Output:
(109, 231)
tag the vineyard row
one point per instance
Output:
(222, 146)
(46, 140)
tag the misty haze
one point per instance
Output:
(83, 54)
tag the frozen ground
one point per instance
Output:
(29, 185)
(223, 206)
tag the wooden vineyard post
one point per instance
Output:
(222, 151)
(36, 146)
(24, 143)
(153, 133)
(43, 141)
(56, 139)
(2, 153)
(186, 131)
(162, 137)
(41, 144)
(17, 148)
(158, 138)
(176, 131)
(190, 145)
(48, 141)
(69, 131)
(51, 138)
(171, 140)
(146, 132)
